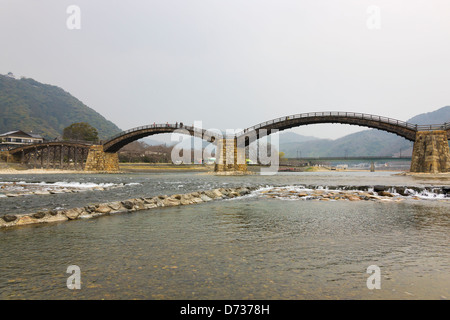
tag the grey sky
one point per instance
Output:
(232, 64)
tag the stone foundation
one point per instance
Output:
(431, 152)
(229, 160)
(98, 160)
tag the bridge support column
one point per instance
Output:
(98, 160)
(5, 156)
(229, 159)
(431, 152)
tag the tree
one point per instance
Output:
(80, 131)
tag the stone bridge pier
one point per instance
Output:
(99, 160)
(431, 152)
(230, 160)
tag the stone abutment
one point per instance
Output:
(99, 160)
(229, 159)
(431, 152)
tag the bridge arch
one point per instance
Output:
(118, 141)
(398, 127)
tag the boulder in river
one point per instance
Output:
(115, 206)
(9, 217)
(379, 188)
(38, 215)
(103, 208)
(170, 202)
(127, 204)
(205, 198)
(72, 214)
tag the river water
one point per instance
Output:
(253, 247)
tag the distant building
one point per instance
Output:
(148, 153)
(18, 138)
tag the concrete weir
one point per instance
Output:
(130, 205)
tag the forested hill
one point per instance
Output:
(44, 109)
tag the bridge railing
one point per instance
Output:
(432, 127)
(445, 126)
(354, 115)
(151, 126)
(56, 141)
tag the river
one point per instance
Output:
(252, 247)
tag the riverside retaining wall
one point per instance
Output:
(431, 153)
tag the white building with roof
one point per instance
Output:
(13, 139)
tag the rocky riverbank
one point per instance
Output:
(130, 205)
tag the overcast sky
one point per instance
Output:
(233, 64)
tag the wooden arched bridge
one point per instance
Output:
(53, 154)
(116, 142)
(431, 152)
(398, 127)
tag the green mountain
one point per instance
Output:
(44, 109)
(370, 142)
